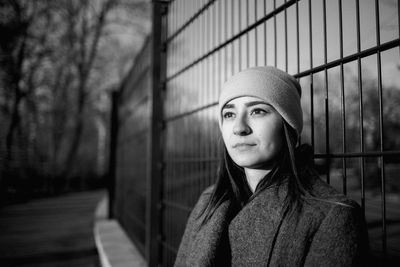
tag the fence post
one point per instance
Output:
(155, 155)
(113, 153)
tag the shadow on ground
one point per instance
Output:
(50, 232)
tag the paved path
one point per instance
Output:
(50, 232)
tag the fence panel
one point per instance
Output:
(133, 148)
(346, 57)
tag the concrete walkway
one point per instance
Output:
(54, 231)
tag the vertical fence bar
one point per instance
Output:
(226, 37)
(240, 38)
(172, 166)
(233, 33)
(343, 106)
(113, 153)
(327, 137)
(360, 108)
(203, 30)
(256, 32)
(298, 36)
(247, 35)
(219, 35)
(155, 155)
(381, 132)
(182, 55)
(212, 25)
(211, 98)
(311, 75)
(265, 33)
(298, 45)
(286, 41)
(275, 39)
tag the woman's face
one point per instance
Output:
(252, 132)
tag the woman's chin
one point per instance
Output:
(250, 163)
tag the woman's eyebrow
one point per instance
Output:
(229, 106)
(253, 103)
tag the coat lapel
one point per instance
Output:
(209, 246)
(253, 230)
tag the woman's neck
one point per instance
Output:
(254, 176)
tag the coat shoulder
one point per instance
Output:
(327, 200)
(202, 202)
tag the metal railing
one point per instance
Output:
(132, 153)
(345, 55)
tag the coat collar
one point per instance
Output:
(261, 217)
(210, 245)
(213, 241)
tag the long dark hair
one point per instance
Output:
(232, 185)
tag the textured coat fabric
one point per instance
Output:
(324, 233)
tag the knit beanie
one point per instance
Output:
(270, 84)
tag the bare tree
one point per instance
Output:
(57, 58)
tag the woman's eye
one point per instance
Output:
(258, 111)
(228, 115)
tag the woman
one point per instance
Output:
(268, 206)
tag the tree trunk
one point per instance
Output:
(84, 67)
(12, 127)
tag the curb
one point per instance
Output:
(113, 245)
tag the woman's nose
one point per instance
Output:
(241, 127)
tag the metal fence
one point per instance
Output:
(345, 55)
(132, 155)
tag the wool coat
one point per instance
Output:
(329, 231)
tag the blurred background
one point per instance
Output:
(60, 61)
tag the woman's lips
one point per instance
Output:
(243, 145)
